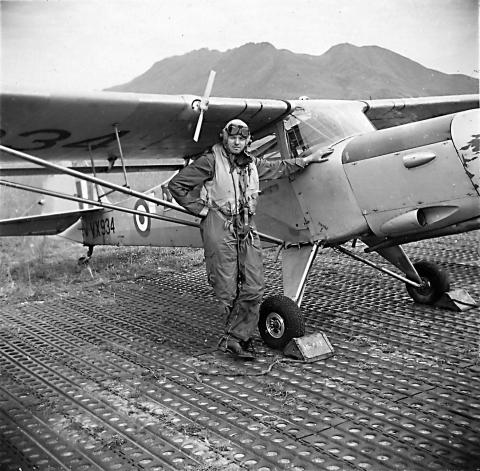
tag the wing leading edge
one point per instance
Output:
(393, 112)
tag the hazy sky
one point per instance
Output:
(78, 44)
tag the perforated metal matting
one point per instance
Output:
(129, 378)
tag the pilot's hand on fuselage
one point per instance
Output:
(318, 157)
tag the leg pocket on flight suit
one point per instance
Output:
(254, 275)
(208, 250)
(219, 251)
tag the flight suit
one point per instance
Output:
(223, 190)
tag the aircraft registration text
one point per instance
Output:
(100, 227)
(47, 138)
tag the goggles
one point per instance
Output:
(236, 130)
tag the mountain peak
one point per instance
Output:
(341, 48)
(262, 45)
(253, 48)
(259, 70)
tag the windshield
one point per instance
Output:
(313, 124)
(323, 123)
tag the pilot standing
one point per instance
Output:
(222, 187)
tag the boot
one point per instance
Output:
(248, 345)
(234, 346)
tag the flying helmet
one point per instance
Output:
(236, 127)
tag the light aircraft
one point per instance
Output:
(402, 170)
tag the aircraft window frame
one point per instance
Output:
(316, 125)
(312, 126)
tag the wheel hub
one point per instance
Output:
(426, 286)
(275, 325)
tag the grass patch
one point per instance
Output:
(39, 268)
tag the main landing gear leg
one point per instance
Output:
(433, 280)
(426, 283)
(280, 316)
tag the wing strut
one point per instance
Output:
(121, 156)
(121, 189)
(100, 204)
(88, 178)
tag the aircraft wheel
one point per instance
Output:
(280, 320)
(435, 282)
(83, 260)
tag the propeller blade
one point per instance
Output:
(208, 88)
(199, 126)
(203, 105)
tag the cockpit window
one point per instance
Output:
(317, 124)
(312, 125)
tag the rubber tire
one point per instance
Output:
(437, 282)
(290, 317)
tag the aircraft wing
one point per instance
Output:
(70, 127)
(393, 112)
(77, 127)
(43, 224)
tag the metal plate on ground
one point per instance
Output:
(128, 377)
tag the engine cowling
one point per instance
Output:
(417, 177)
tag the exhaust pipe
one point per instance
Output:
(408, 222)
(417, 219)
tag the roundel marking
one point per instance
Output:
(142, 223)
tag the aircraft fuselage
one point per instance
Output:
(407, 181)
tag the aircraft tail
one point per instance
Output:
(43, 224)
